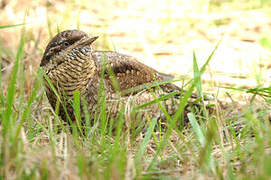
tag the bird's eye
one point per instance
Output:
(66, 43)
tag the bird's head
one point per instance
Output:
(65, 46)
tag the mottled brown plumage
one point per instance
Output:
(70, 64)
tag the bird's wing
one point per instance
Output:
(128, 70)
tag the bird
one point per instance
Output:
(70, 64)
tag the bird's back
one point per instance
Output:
(134, 84)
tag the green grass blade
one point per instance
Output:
(50, 84)
(202, 70)
(102, 100)
(162, 98)
(188, 94)
(2, 99)
(196, 128)
(76, 105)
(206, 150)
(12, 87)
(146, 86)
(87, 123)
(181, 107)
(197, 75)
(143, 145)
(9, 26)
(77, 110)
(264, 92)
(183, 103)
(59, 102)
(27, 110)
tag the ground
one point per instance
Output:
(163, 35)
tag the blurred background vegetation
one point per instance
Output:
(161, 34)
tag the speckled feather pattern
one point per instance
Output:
(71, 64)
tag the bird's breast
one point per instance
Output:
(72, 75)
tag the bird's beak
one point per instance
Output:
(88, 40)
